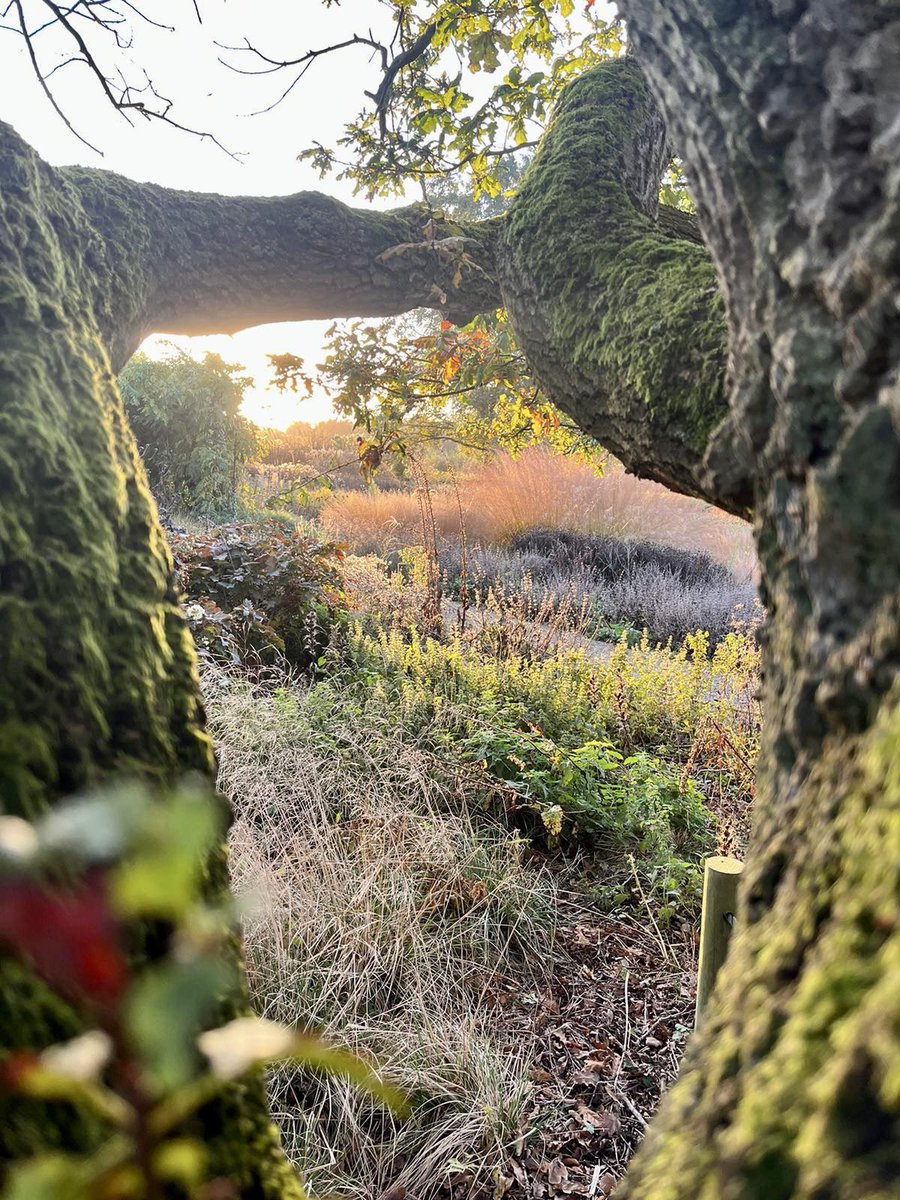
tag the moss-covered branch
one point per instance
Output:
(618, 312)
(192, 263)
(615, 302)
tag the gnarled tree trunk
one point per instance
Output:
(761, 373)
(787, 116)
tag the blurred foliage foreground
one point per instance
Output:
(76, 887)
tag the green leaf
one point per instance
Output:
(51, 1177)
(163, 878)
(164, 1009)
(182, 1161)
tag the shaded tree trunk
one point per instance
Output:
(787, 116)
(761, 374)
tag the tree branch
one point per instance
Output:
(390, 67)
(617, 309)
(392, 70)
(617, 312)
(190, 263)
(125, 97)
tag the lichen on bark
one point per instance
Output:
(784, 115)
(98, 668)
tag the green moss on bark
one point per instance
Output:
(98, 667)
(98, 674)
(621, 322)
(791, 1091)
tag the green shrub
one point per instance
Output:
(186, 421)
(595, 791)
(617, 756)
(257, 590)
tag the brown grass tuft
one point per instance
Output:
(541, 490)
(379, 910)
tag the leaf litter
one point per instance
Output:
(605, 1032)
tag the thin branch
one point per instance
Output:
(278, 64)
(125, 102)
(43, 83)
(383, 95)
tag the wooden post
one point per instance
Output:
(720, 885)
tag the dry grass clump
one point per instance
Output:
(379, 909)
(382, 522)
(375, 590)
(505, 497)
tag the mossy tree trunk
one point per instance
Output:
(787, 117)
(761, 374)
(97, 668)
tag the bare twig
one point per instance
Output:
(125, 97)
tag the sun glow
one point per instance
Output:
(263, 404)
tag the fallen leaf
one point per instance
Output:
(606, 1184)
(557, 1173)
(600, 1122)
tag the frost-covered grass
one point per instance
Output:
(393, 811)
(378, 907)
(619, 583)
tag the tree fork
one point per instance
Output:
(784, 115)
(99, 674)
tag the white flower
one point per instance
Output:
(17, 838)
(194, 612)
(235, 1047)
(83, 1058)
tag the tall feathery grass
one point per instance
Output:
(538, 490)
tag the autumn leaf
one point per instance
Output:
(71, 938)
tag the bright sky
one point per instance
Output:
(208, 96)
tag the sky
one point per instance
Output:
(184, 66)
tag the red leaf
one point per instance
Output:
(16, 1068)
(71, 938)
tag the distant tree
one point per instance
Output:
(186, 418)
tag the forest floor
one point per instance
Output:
(604, 1035)
(473, 858)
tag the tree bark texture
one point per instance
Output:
(760, 373)
(97, 670)
(788, 117)
(618, 314)
(191, 263)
